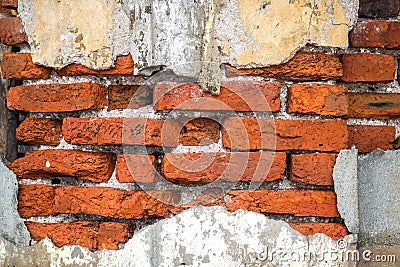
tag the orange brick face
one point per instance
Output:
(12, 32)
(21, 67)
(39, 131)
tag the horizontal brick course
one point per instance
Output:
(57, 97)
(12, 31)
(312, 169)
(202, 168)
(90, 166)
(374, 105)
(320, 99)
(238, 96)
(379, 9)
(335, 231)
(368, 138)
(92, 235)
(9, 3)
(36, 131)
(251, 133)
(304, 66)
(123, 66)
(366, 67)
(379, 34)
(21, 67)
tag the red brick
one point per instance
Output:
(368, 138)
(304, 66)
(376, 34)
(35, 200)
(297, 202)
(320, 99)
(92, 235)
(205, 168)
(132, 96)
(374, 105)
(379, 8)
(335, 231)
(312, 169)
(5, 10)
(39, 132)
(237, 96)
(252, 133)
(142, 168)
(365, 67)
(91, 166)
(12, 31)
(9, 3)
(109, 131)
(102, 201)
(57, 97)
(123, 66)
(200, 131)
(21, 67)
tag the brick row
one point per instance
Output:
(36, 131)
(12, 31)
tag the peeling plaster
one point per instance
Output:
(200, 236)
(65, 32)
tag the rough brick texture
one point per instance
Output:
(296, 202)
(56, 97)
(12, 32)
(117, 131)
(379, 8)
(90, 166)
(39, 131)
(92, 235)
(335, 231)
(368, 138)
(136, 168)
(21, 67)
(380, 34)
(200, 131)
(202, 168)
(312, 169)
(103, 201)
(321, 99)
(365, 67)
(237, 96)
(251, 133)
(303, 66)
(9, 3)
(132, 96)
(374, 105)
(123, 66)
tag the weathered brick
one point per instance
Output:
(118, 131)
(380, 34)
(205, 168)
(9, 3)
(5, 10)
(123, 66)
(237, 96)
(304, 66)
(321, 99)
(102, 201)
(379, 8)
(335, 231)
(91, 166)
(368, 138)
(12, 31)
(39, 131)
(200, 131)
(57, 97)
(21, 67)
(92, 235)
(297, 202)
(136, 168)
(312, 169)
(252, 133)
(374, 105)
(366, 67)
(132, 96)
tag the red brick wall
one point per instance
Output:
(321, 101)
